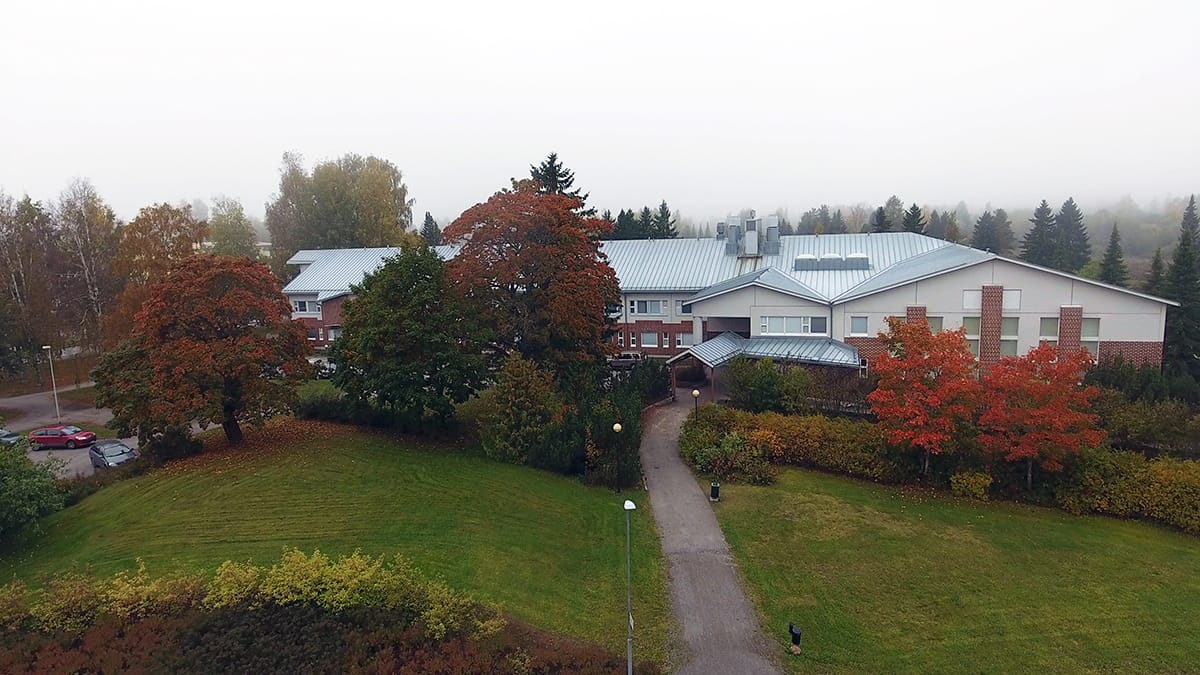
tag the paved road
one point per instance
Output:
(35, 410)
(719, 624)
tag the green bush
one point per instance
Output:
(735, 459)
(970, 484)
(520, 412)
(846, 446)
(1128, 485)
(755, 386)
(28, 489)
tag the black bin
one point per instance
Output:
(714, 492)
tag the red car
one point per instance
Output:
(61, 436)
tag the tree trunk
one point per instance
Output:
(231, 403)
(925, 463)
(1029, 474)
(233, 431)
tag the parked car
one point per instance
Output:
(626, 360)
(110, 454)
(9, 437)
(61, 436)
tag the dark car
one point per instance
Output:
(61, 436)
(9, 437)
(109, 454)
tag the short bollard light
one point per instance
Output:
(794, 631)
(714, 492)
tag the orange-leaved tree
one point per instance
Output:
(213, 343)
(928, 392)
(532, 267)
(1037, 409)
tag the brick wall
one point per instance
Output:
(868, 347)
(1137, 353)
(990, 316)
(657, 327)
(1070, 325)
(914, 314)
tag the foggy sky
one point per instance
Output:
(711, 107)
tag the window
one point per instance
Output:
(935, 323)
(646, 307)
(973, 299)
(620, 338)
(1089, 336)
(320, 333)
(666, 339)
(1012, 300)
(305, 306)
(683, 339)
(858, 325)
(971, 324)
(649, 339)
(632, 339)
(312, 333)
(1009, 327)
(681, 308)
(335, 333)
(1048, 330)
(794, 325)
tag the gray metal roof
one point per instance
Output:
(768, 277)
(935, 261)
(331, 272)
(728, 346)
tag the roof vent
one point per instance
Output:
(806, 262)
(857, 261)
(734, 241)
(720, 231)
(831, 256)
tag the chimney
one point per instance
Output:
(720, 231)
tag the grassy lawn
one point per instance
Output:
(81, 397)
(889, 580)
(543, 547)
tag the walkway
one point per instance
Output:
(719, 624)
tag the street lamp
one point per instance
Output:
(696, 398)
(629, 586)
(617, 450)
(53, 384)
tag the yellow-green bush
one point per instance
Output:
(1129, 485)
(971, 484)
(15, 599)
(233, 584)
(70, 602)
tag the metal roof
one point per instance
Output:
(728, 346)
(933, 262)
(331, 272)
(766, 278)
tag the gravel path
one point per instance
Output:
(720, 627)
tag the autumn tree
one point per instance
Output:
(532, 268)
(87, 231)
(1036, 409)
(928, 392)
(28, 251)
(230, 229)
(409, 345)
(214, 343)
(950, 223)
(289, 212)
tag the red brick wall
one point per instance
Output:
(331, 311)
(990, 317)
(868, 347)
(915, 314)
(1137, 353)
(639, 327)
(1070, 325)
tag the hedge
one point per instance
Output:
(1129, 485)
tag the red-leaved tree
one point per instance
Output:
(928, 392)
(1037, 409)
(532, 267)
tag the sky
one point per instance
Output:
(713, 107)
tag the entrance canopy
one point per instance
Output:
(728, 346)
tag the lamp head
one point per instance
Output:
(629, 506)
(695, 393)
(46, 347)
(617, 427)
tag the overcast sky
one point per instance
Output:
(711, 107)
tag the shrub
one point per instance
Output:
(1128, 485)
(28, 489)
(734, 459)
(70, 602)
(971, 484)
(704, 428)
(520, 412)
(173, 443)
(755, 386)
(650, 379)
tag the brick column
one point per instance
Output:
(990, 315)
(1070, 325)
(915, 314)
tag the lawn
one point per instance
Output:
(883, 579)
(544, 547)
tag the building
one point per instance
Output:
(814, 298)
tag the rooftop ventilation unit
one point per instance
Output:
(720, 231)
(857, 261)
(771, 245)
(806, 262)
(750, 243)
(734, 241)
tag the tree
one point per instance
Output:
(645, 223)
(520, 412)
(627, 226)
(232, 233)
(936, 227)
(88, 233)
(409, 343)
(532, 268)
(880, 222)
(950, 222)
(28, 489)
(1183, 286)
(1037, 409)
(554, 178)
(894, 208)
(663, 224)
(28, 250)
(1040, 244)
(1074, 249)
(214, 343)
(289, 213)
(756, 386)
(430, 232)
(962, 214)
(993, 232)
(1156, 277)
(928, 392)
(1112, 267)
(914, 220)
(837, 225)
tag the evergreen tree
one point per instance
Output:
(914, 220)
(880, 222)
(961, 214)
(984, 237)
(1074, 249)
(554, 177)
(950, 225)
(1156, 278)
(785, 225)
(1040, 244)
(645, 223)
(894, 208)
(1183, 286)
(837, 224)
(430, 232)
(664, 224)
(935, 228)
(1112, 267)
(607, 215)
(627, 226)
(1005, 239)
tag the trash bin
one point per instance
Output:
(714, 492)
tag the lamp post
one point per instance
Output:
(629, 587)
(617, 450)
(696, 398)
(53, 384)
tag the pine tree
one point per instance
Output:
(1005, 239)
(914, 220)
(950, 224)
(1074, 249)
(645, 223)
(837, 225)
(1112, 267)
(894, 208)
(936, 228)
(962, 214)
(1040, 244)
(984, 236)
(664, 225)
(879, 221)
(627, 226)
(1183, 286)
(554, 177)
(430, 231)
(1156, 283)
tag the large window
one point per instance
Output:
(935, 324)
(649, 339)
(1048, 330)
(858, 325)
(683, 340)
(971, 326)
(681, 308)
(647, 307)
(306, 306)
(1089, 336)
(794, 325)
(1009, 327)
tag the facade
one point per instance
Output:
(813, 298)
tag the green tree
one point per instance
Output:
(1183, 286)
(950, 223)
(837, 225)
(28, 489)
(289, 213)
(1074, 249)
(894, 208)
(554, 178)
(520, 413)
(430, 232)
(880, 222)
(757, 386)
(936, 227)
(646, 223)
(409, 344)
(230, 229)
(664, 224)
(914, 220)
(1112, 267)
(1156, 277)
(627, 226)
(1040, 244)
